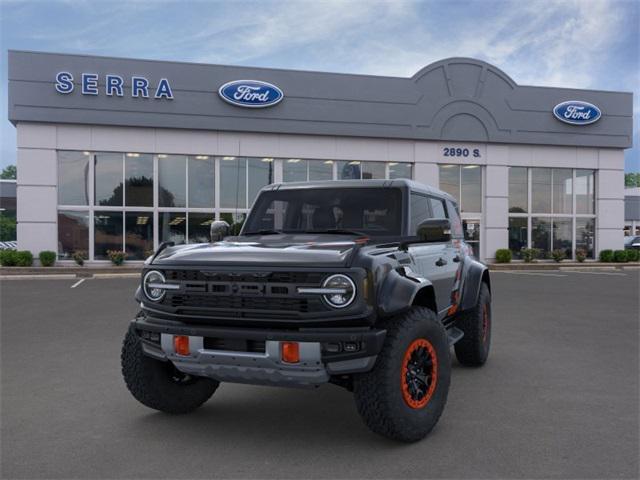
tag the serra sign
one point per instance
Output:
(113, 85)
(576, 112)
(250, 93)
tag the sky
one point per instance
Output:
(565, 43)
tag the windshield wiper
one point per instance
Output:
(263, 232)
(338, 231)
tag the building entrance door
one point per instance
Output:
(471, 228)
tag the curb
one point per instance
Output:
(563, 266)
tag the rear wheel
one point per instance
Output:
(160, 385)
(405, 393)
(473, 348)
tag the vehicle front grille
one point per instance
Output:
(243, 294)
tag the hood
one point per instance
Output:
(271, 250)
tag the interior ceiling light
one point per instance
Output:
(177, 221)
(228, 158)
(393, 164)
(162, 155)
(86, 153)
(133, 155)
(142, 220)
(328, 162)
(202, 157)
(471, 166)
(355, 162)
(266, 159)
(293, 160)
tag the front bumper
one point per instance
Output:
(262, 365)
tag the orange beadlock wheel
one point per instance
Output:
(419, 373)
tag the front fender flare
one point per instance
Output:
(398, 292)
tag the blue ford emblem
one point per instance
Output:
(250, 93)
(576, 112)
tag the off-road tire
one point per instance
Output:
(473, 349)
(379, 395)
(152, 382)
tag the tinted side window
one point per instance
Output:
(454, 217)
(437, 207)
(419, 211)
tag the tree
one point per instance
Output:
(9, 172)
(632, 180)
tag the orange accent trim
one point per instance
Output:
(290, 352)
(181, 345)
(406, 395)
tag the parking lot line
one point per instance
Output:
(597, 273)
(538, 274)
(78, 283)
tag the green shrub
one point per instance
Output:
(8, 258)
(558, 255)
(620, 256)
(117, 256)
(80, 256)
(47, 258)
(581, 254)
(633, 255)
(503, 255)
(24, 258)
(529, 254)
(606, 256)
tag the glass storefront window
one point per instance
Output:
(107, 232)
(108, 179)
(172, 181)
(199, 227)
(518, 190)
(234, 220)
(138, 235)
(585, 235)
(471, 191)
(320, 170)
(450, 180)
(260, 174)
(541, 235)
(172, 227)
(541, 190)
(233, 182)
(350, 170)
(562, 235)
(73, 178)
(201, 181)
(517, 235)
(138, 174)
(585, 191)
(73, 233)
(373, 170)
(294, 170)
(562, 190)
(400, 170)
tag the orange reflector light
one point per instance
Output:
(181, 344)
(290, 352)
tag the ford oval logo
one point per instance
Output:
(250, 93)
(576, 112)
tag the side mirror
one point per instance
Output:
(219, 230)
(435, 230)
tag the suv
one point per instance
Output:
(363, 284)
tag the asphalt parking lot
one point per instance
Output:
(558, 398)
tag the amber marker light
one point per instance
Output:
(181, 345)
(290, 352)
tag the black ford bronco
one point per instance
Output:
(363, 284)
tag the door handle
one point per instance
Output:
(456, 258)
(441, 262)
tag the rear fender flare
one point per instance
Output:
(474, 274)
(399, 292)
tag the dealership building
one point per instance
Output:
(123, 154)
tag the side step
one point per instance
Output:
(455, 334)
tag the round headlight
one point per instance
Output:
(343, 290)
(151, 278)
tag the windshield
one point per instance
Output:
(375, 212)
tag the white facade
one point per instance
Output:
(38, 144)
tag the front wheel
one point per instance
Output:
(159, 385)
(404, 395)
